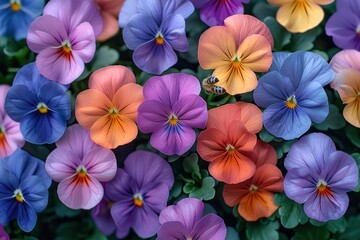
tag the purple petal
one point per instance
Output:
(199, 3)
(323, 208)
(46, 32)
(61, 164)
(191, 111)
(299, 187)
(210, 227)
(147, 167)
(214, 12)
(82, 41)
(73, 13)
(120, 188)
(183, 7)
(123, 216)
(173, 139)
(278, 60)
(284, 122)
(100, 164)
(152, 115)
(173, 29)
(153, 58)
(188, 211)
(146, 223)
(156, 196)
(102, 217)
(172, 231)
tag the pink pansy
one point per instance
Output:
(10, 135)
(80, 166)
(64, 38)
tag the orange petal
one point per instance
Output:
(221, 117)
(323, 2)
(233, 193)
(256, 205)
(111, 132)
(211, 145)
(263, 153)
(242, 26)
(279, 2)
(255, 53)
(300, 16)
(216, 47)
(347, 83)
(110, 27)
(268, 178)
(110, 79)
(251, 116)
(90, 106)
(111, 6)
(352, 113)
(127, 100)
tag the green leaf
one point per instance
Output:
(317, 223)
(189, 187)
(190, 164)
(231, 234)
(335, 226)
(281, 36)
(258, 231)
(104, 56)
(303, 41)
(291, 213)
(333, 121)
(262, 10)
(284, 148)
(310, 232)
(266, 136)
(97, 236)
(175, 190)
(356, 156)
(352, 230)
(62, 211)
(206, 191)
(353, 134)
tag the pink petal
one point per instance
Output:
(100, 164)
(3, 91)
(61, 164)
(82, 41)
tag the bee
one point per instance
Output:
(209, 85)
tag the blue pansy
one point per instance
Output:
(292, 93)
(23, 189)
(17, 15)
(41, 106)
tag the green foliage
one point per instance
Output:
(333, 121)
(262, 231)
(352, 230)
(309, 232)
(282, 36)
(356, 156)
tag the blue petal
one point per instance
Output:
(303, 67)
(278, 60)
(8, 210)
(313, 100)
(173, 29)
(272, 88)
(9, 182)
(152, 7)
(140, 30)
(26, 217)
(183, 7)
(284, 122)
(32, 7)
(15, 24)
(19, 102)
(35, 192)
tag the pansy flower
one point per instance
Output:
(236, 51)
(228, 141)
(185, 220)
(255, 196)
(155, 32)
(109, 108)
(344, 25)
(17, 15)
(214, 12)
(23, 189)
(319, 177)
(64, 38)
(3, 234)
(102, 216)
(293, 95)
(80, 166)
(139, 192)
(172, 108)
(10, 135)
(41, 106)
(299, 16)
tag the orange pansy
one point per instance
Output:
(109, 107)
(235, 51)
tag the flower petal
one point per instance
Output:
(57, 168)
(146, 223)
(250, 116)
(351, 113)
(100, 164)
(110, 26)
(345, 59)
(173, 29)
(152, 116)
(26, 217)
(263, 153)
(82, 41)
(172, 231)
(294, 183)
(210, 227)
(268, 178)
(191, 111)
(278, 59)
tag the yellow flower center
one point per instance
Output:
(138, 200)
(159, 38)
(113, 112)
(19, 196)
(81, 176)
(42, 108)
(173, 120)
(323, 188)
(66, 50)
(253, 188)
(15, 5)
(236, 62)
(291, 102)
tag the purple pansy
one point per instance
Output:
(3, 234)
(171, 109)
(64, 38)
(155, 32)
(320, 176)
(140, 191)
(292, 93)
(344, 24)
(214, 12)
(185, 220)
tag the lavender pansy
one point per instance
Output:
(140, 191)
(293, 94)
(3, 234)
(23, 189)
(172, 108)
(185, 220)
(41, 106)
(319, 177)
(17, 15)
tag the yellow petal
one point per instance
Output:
(352, 113)
(300, 15)
(216, 47)
(279, 2)
(323, 2)
(255, 53)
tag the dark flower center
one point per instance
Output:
(15, 5)
(159, 38)
(42, 108)
(19, 196)
(138, 200)
(173, 120)
(291, 102)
